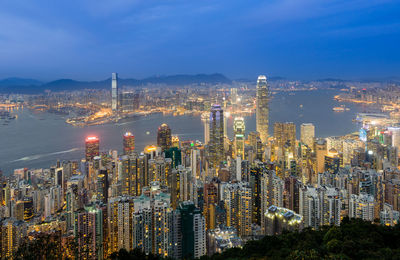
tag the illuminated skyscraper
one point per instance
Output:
(285, 136)
(245, 211)
(210, 202)
(191, 230)
(120, 210)
(216, 143)
(114, 91)
(92, 147)
(320, 152)
(205, 118)
(307, 134)
(233, 96)
(164, 139)
(239, 129)
(127, 101)
(102, 185)
(262, 110)
(395, 131)
(129, 143)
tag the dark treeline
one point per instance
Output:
(353, 239)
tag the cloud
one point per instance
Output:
(365, 30)
(28, 42)
(278, 11)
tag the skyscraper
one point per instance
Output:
(192, 228)
(285, 136)
(239, 129)
(205, 118)
(164, 139)
(233, 96)
(216, 143)
(127, 101)
(307, 134)
(114, 91)
(262, 110)
(129, 143)
(92, 147)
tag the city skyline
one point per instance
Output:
(270, 129)
(184, 198)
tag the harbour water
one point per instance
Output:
(38, 140)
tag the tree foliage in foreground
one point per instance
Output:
(353, 239)
(43, 246)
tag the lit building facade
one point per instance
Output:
(262, 108)
(216, 143)
(129, 143)
(164, 138)
(307, 134)
(92, 147)
(239, 130)
(114, 91)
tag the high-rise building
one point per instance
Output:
(175, 154)
(12, 234)
(92, 147)
(262, 109)
(90, 231)
(307, 134)
(129, 143)
(395, 131)
(362, 206)
(205, 118)
(279, 219)
(331, 206)
(285, 136)
(164, 139)
(310, 207)
(320, 153)
(191, 229)
(114, 91)
(102, 185)
(131, 176)
(245, 211)
(239, 129)
(126, 101)
(291, 193)
(210, 202)
(120, 211)
(234, 96)
(216, 143)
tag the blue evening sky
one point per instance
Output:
(304, 39)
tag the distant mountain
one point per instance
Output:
(19, 82)
(188, 79)
(69, 84)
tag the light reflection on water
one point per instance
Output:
(37, 140)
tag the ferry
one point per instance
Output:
(342, 108)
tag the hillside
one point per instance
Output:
(354, 239)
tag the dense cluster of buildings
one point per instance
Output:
(185, 198)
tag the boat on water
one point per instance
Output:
(342, 108)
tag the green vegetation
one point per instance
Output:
(135, 254)
(43, 246)
(354, 239)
